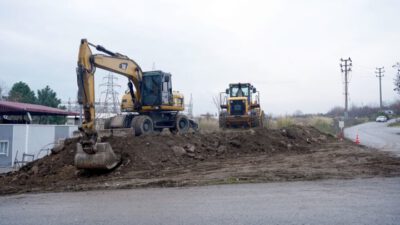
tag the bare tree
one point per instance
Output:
(217, 103)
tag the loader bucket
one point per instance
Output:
(103, 157)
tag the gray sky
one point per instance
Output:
(289, 50)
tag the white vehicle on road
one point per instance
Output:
(381, 119)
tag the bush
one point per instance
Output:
(284, 122)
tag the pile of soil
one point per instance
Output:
(259, 155)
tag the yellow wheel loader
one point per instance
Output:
(240, 107)
(150, 105)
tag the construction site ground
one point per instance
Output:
(233, 156)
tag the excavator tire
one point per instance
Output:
(133, 124)
(182, 125)
(127, 121)
(143, 125)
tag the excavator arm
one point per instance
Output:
(114, 62)
(90, 153)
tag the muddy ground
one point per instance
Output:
(261, 155)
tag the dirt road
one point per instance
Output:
(291, 154)
(360, 201)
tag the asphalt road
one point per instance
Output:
(376, 135)
(360, 201)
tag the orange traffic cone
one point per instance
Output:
(357, 140)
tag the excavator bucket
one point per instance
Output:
(103, 157)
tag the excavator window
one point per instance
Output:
(151, 94)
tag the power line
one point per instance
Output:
(379, 73)
(345, 68)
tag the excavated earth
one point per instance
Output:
(261, 155)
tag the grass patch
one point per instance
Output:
(208, 125)
(394, 124)
(284, 122)
(323, 124)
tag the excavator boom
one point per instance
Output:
(92, 154)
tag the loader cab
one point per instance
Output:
(240, 98)
(156, 89)
(239, 90)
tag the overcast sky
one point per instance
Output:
(290, 50)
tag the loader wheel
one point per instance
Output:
(143, 125)
(255, 122)
(222, 121)
(262, 121)
(182, 125)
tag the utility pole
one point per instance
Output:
(379, 73)
(345, 67)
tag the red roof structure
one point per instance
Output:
(18, 108)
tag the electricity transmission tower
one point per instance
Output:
(190, 107)
(345, 67)
(111, 101)
(379, 73)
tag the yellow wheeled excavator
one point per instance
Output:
(150, 105)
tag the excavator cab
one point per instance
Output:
(156, 89)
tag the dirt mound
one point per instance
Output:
(170, 160)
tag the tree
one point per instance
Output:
(2, 90)
(21, 92)
(336, 111)
(217, 103)
(48, 97)
(397, 83)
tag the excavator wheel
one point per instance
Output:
(133, 125)
(182, 125)
(143, 125)
(102, 158)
